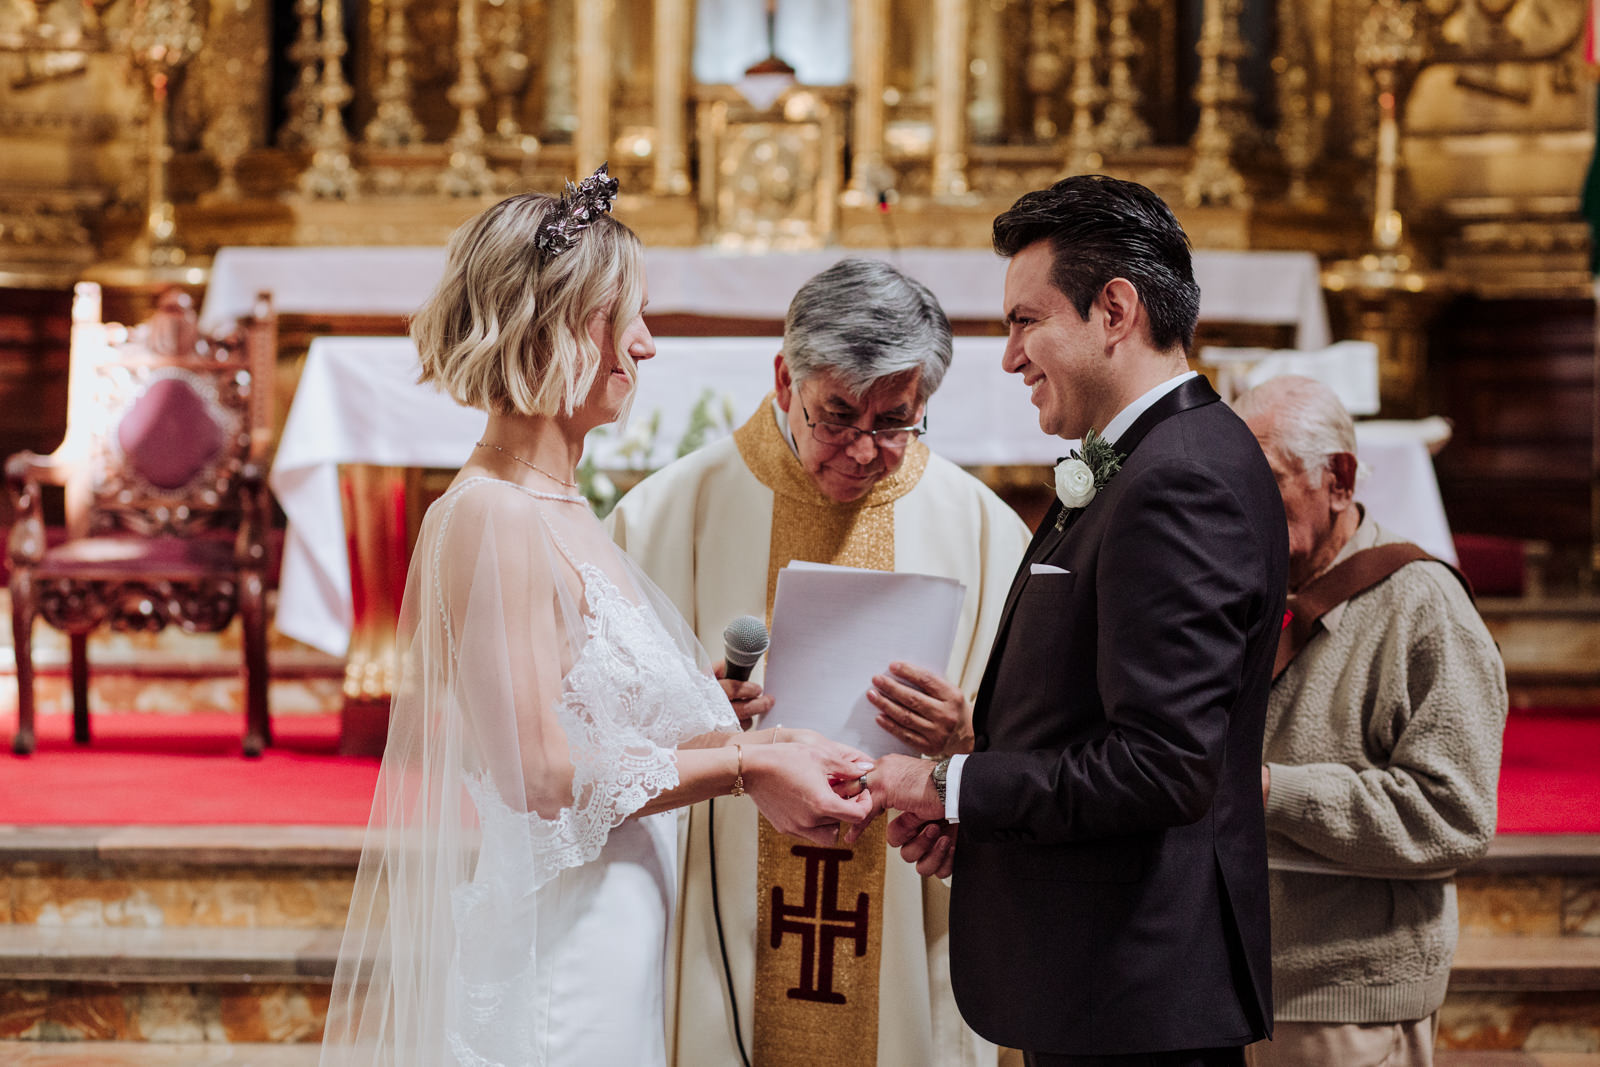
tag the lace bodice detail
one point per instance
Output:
(630, 698)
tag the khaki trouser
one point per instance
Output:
(1347, 1045)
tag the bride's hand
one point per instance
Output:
(791, 785)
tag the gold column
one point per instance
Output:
(394, 123)
(672, 21)
(1125, 127)
(869, 26)
(300, 122)
(592, 139)
(950, 25)
(330, 176)
(1299, 124)
(988, 73)
(1212, 179)
(1083, 144)
(468, 173)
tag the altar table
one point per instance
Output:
(358, 403)
(1235, 286)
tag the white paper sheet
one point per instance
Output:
(833, 628)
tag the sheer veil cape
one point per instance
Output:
(544, 683)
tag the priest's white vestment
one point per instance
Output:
(702, 529)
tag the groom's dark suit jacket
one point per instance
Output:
(1110, 886)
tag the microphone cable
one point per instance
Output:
(716, 916)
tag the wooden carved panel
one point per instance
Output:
(1517, 379)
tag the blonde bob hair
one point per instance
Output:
(507, 330)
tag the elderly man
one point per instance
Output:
(1382, 755)
(829, 469)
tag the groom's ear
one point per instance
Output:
(1119, 302)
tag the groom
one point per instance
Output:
(1106, 835)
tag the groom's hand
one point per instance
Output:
(930, 846)
(922, 709)
(904, 783)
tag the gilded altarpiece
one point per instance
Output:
(1423, 148)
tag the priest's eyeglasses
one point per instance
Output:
(845, 435)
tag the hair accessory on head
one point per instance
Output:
(576, 211)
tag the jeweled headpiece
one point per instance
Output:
(580, 205)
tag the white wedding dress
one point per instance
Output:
(511, 910)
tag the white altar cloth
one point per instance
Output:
(1253, 287)
(358, 402)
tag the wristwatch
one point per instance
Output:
(941, 771)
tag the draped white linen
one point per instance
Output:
(358, 402)
(1248, 287)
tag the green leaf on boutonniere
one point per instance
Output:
(1102, 459)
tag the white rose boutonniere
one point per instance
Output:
(1083, 474)
(1074, 482)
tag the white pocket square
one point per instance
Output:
(1045, 568)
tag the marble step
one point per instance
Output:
(1533, 885)
(1530, 964)
(139, 1054)
(1487, 1058)
(177, 954)
(276, 877)
(178, 985)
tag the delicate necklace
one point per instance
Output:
(526, 463)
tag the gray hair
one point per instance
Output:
(862, 320)
(1309, 421)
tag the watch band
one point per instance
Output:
(941, 771)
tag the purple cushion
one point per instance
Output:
(208, 552)
(152, 557)
(168, 435)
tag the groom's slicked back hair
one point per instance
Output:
(1100, 228)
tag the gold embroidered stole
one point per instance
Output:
(819, 910)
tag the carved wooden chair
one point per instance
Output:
(164, 479)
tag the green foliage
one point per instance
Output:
(1102, 459)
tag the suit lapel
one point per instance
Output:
(1194, 393)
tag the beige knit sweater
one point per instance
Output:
(1383, 742)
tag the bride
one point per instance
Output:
(512, 902)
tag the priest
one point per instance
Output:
(787, 953)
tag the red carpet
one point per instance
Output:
(1550, 773)
(186, 769)
(183, 770)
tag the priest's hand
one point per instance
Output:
(746, 697)
(922, 709)
(931, 846)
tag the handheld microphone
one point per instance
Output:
(743, 643)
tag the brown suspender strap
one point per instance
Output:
(1333, 587)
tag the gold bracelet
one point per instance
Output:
(738, 775)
